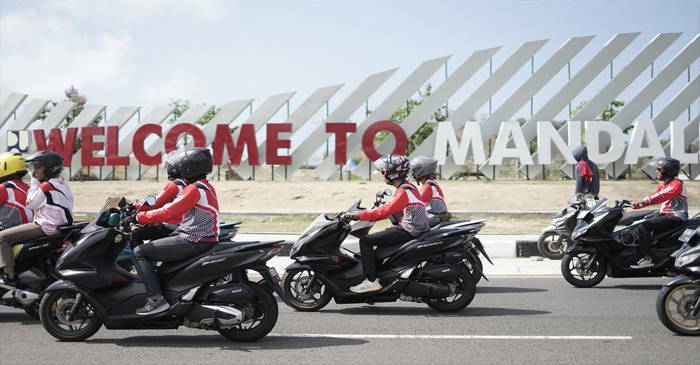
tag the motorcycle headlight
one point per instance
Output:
(686, 259)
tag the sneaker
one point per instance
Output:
(8, 280)
(643, 264)
(151, 307)
(366, 286)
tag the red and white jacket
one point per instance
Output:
(432, 196)
(197, 208)
(672, 197)
(13, 211)
(172, 190)
(408, 199)
(52, 203)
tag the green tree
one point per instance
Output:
(405, 110)
(181, 106)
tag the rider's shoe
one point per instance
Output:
(366, 286)
(643, 264)
(153, 307)
(8, 280)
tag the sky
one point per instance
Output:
(144, 53)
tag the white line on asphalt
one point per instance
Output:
(450, 337)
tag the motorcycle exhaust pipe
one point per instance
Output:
(22, 296)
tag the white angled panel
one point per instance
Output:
(193, 115)
(653, 89)
(54, 119)
(226, 115)
(670, 112)
(301, 115)
(86, 116)
(119, 119)
(341, 114)
(619, 83)
(482, 94)
(430, 105)
(13, 101)
(577, 83)
(528, 89)
(25, 118)
(384, 111)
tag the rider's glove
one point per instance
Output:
(128, 221)
(348, 217)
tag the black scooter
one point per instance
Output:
(601, 249)
(431, 269)
(678, 302)
(35, 262)
(94, 290)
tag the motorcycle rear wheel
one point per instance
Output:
(573, 268)
(552, 245)
(261, 317)
(294, 281)
(55, 307)
(673, 308)
(466, 290)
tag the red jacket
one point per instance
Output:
(408, 199)
(171, 191)
(198, 209)
(672, 197)
(13, 209)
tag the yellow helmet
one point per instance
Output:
(12, 166)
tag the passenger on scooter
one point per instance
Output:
(672, 196)
(173, 188)
(52, 202)
(13, 191)
(423, 169)
(586, 173)
(395, 169)
(196, 208)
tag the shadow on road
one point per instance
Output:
(506, 290)
(19, 317)
(632, 287)
(207, 341)
(428, 312)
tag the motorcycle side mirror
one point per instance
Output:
(387, 192)
(380, 194)
(122, 202)
(150, 201)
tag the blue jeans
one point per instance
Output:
(171, 248)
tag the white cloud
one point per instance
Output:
(40, 55)
(177, 86)
(125, 11)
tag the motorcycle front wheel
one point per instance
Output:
(674, 306)
(575, 269)
(552, 245)
(260, 317)
(54, 312)
(305, 293)
(462, 296)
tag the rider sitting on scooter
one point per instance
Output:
(50, 199)
(673, 212)
(196, 208)
(395, 170)
(13, 191)
(423, 170)
(173, 188)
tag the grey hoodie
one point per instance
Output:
(592, 187)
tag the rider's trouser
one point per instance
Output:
(390, 236)
(10, 236)
(657, 223)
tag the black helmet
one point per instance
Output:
(670, 167)
(192, 162)
(52, 162)
(393, 166)
(423, 166)
(171, 168)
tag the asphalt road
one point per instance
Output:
(524, 320)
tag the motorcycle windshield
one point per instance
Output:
(100, 220)
(319, 222)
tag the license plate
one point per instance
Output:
(274, 275)
(687, 235)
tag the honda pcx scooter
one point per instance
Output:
(430, 269)
(678, 302)
(94, 290)
(35, 262)
(601, 249)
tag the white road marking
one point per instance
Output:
(450, 337)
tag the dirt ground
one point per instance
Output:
(335, 196)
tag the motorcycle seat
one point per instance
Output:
(450, 222)
(677, 230)
(386, 251)
(230, 225)
(167, 268)
(68, 229)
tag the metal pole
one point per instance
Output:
(447, 102)
(568, 66)
(490, 74)
(651, 109)
(532, 99)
